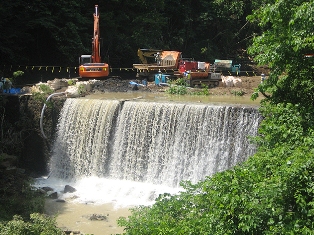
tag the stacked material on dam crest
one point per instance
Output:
(159, 143)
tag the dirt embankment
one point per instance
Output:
(247, 86)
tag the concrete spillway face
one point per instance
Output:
(158, 143)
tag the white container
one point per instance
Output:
(201, 65)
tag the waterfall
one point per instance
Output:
(160, 143)
(83, 141)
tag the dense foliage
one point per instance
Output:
(57, 32)
(288, 36)
(273, 191)
(38, 224)
(17, 196)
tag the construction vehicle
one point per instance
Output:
(91, 65)
(162, 65)
(198, 73)
(153, 61)
(171, 65)
(226, 66)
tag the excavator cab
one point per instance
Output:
(84, 59)
(88, 69)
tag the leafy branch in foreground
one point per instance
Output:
(287, 38)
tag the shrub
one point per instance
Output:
(38, 224)
(71, 82)
(237, 93)
(177, 90)
(181, 82)
(42, 93)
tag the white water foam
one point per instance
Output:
(97, 191)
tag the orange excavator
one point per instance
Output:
(91, 65)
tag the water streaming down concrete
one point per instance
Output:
(125, 153)
(84, 139)
(153, 142)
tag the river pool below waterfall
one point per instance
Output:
(97, 203)
(120, 150)
(76, 217)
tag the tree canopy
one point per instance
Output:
(288, 36)
(57, 32)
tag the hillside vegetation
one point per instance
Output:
(272, 192)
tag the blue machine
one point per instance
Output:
(12, 91)
(161, 78)
(236, 68)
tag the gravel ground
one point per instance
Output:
(115, 84)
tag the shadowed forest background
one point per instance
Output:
(56, 33)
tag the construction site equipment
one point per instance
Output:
(163, 61)
(91, 65)
(156, 64)
(147, 56)
(222, 66)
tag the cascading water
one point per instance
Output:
(124, 146)
(165, 143)
(83, 141)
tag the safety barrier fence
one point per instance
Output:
(73, 71)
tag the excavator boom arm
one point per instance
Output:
(96, 44)
(143, 54)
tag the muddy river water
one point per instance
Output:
(75, 215)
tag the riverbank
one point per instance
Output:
(245, 88)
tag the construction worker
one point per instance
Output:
(6, 84)
(188, 78)
(263, 77)
(1, 87)
(158, 58)
(189, 75)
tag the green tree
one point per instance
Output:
(287, 37)
(43, 33)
